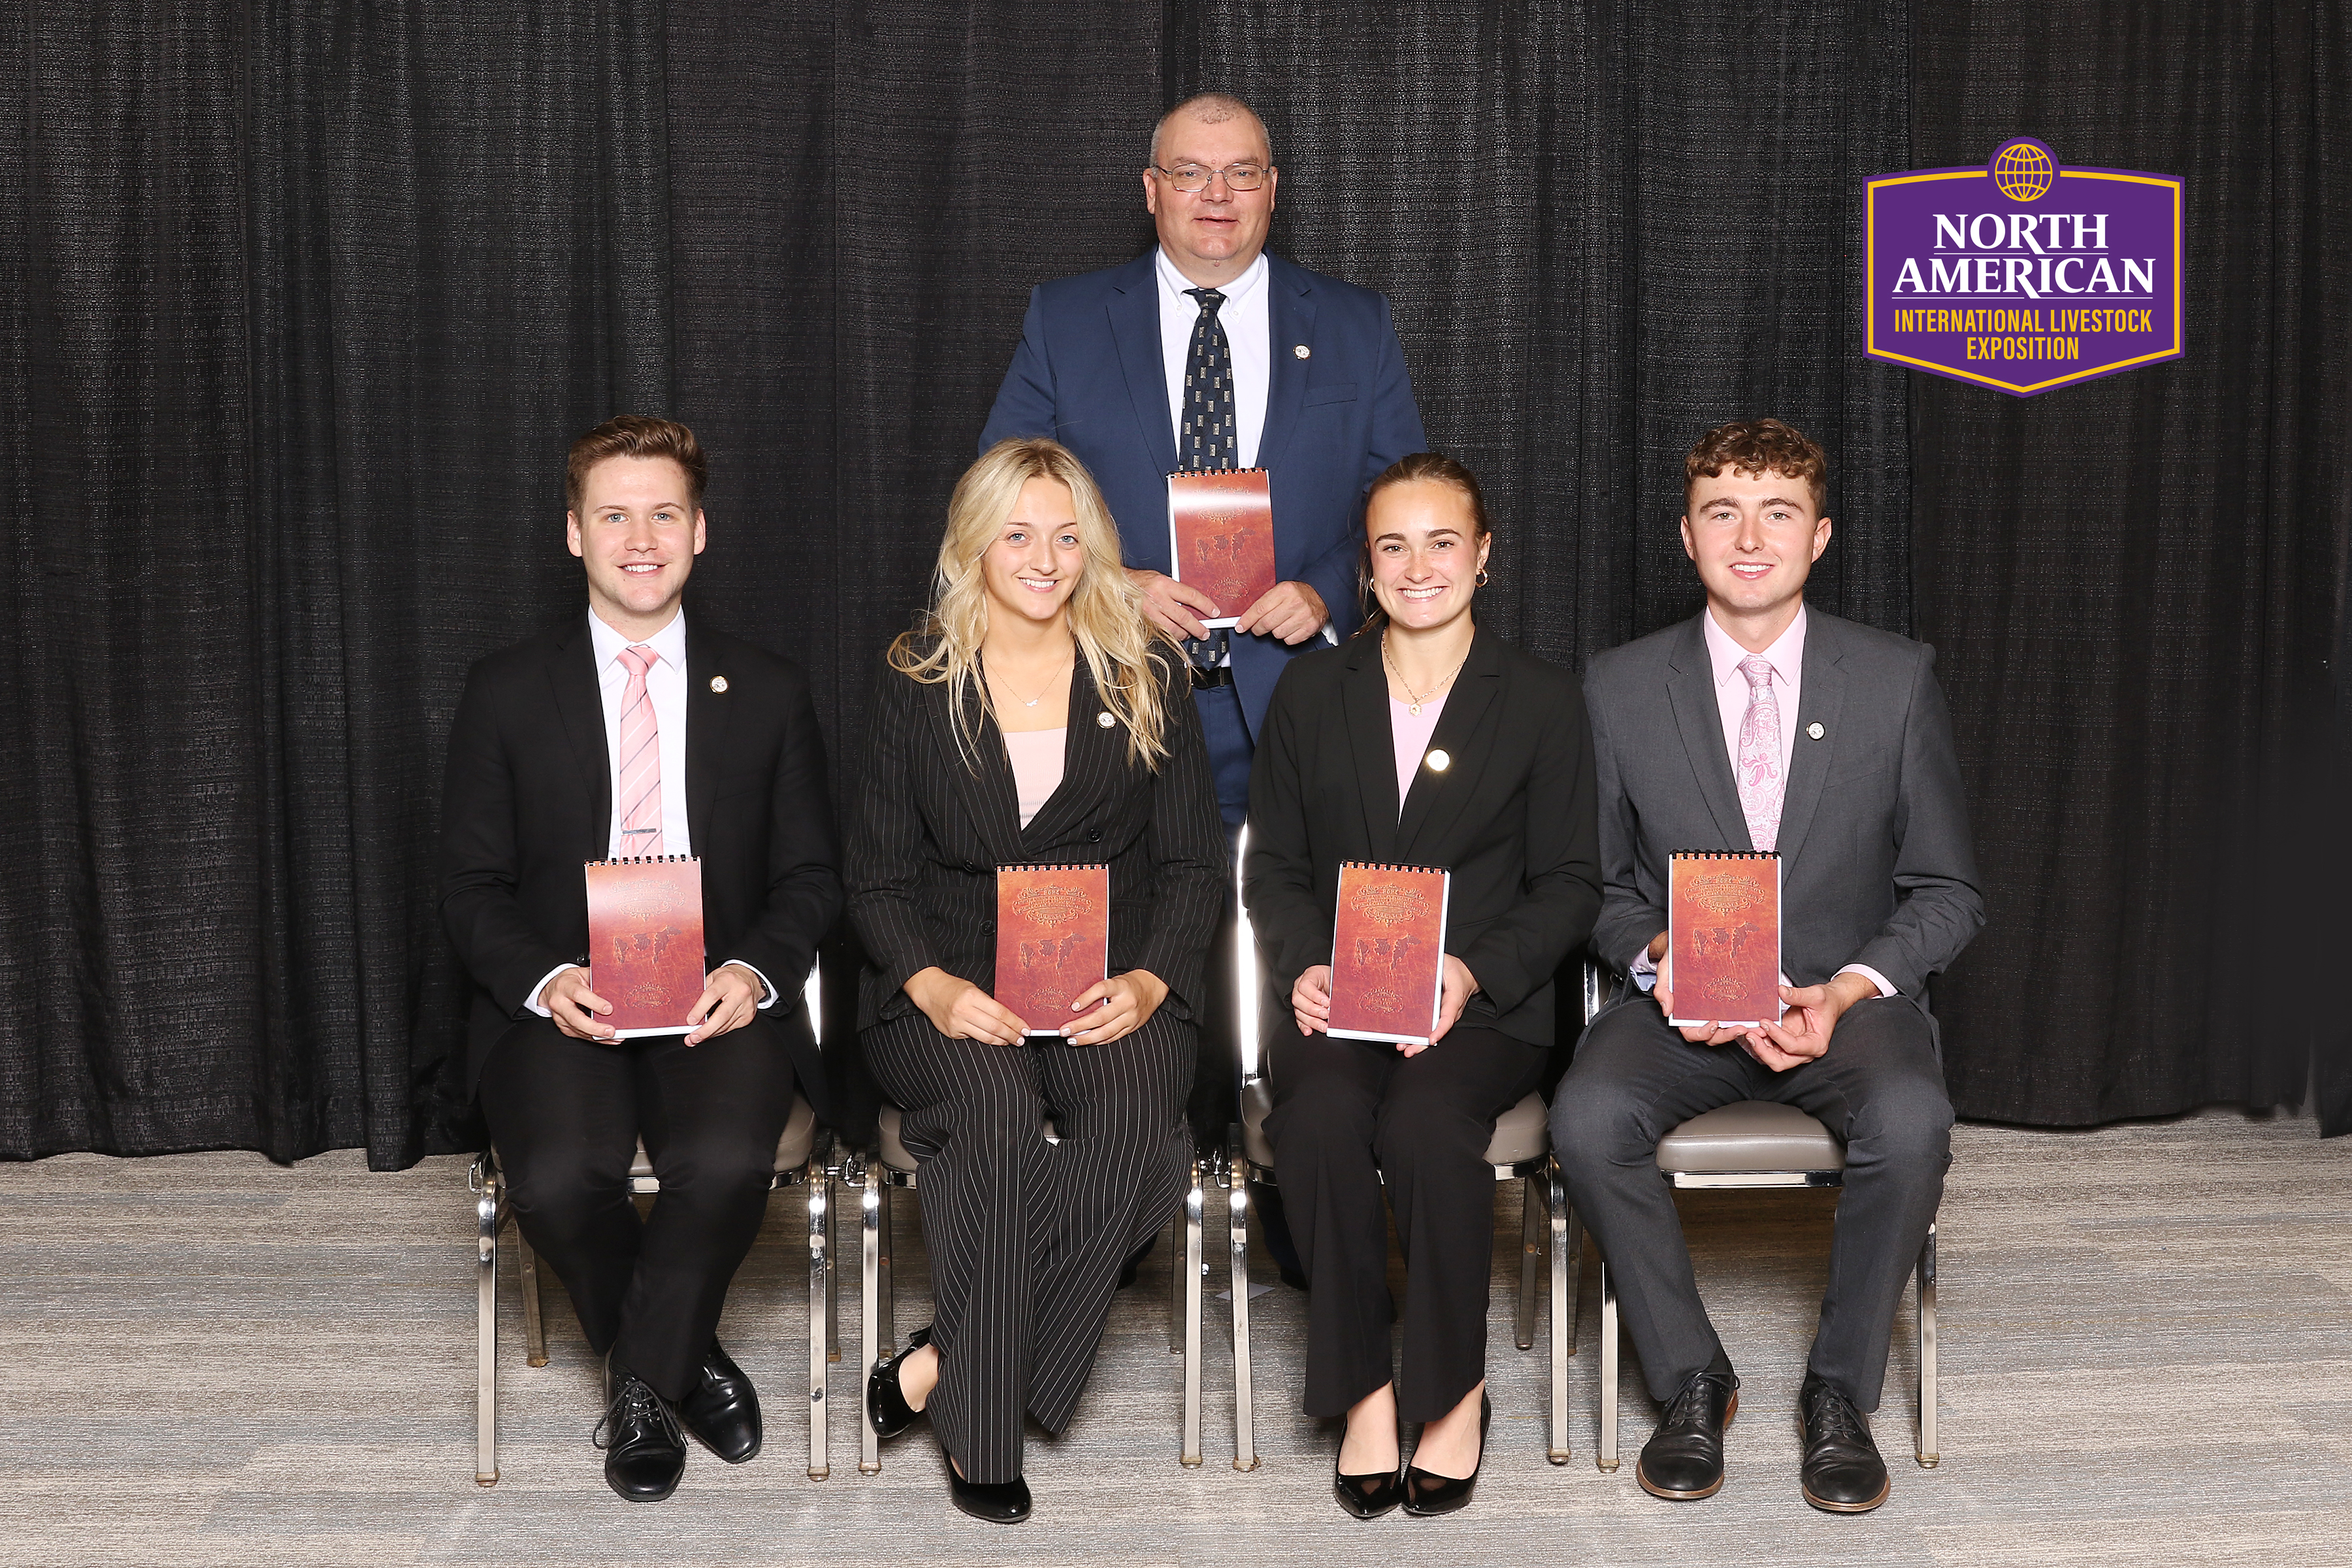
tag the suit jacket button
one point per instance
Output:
(1094, 834)
(972, 867)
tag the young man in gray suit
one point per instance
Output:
(1761, 725)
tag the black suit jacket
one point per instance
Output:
(1512, 816)
(528, 802)
(931, 828)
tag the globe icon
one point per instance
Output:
(2023, 171)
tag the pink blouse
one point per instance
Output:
(1411, 734)
(1036, 758)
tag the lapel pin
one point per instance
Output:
(1105, 720)
(718, 683)
(1439, 762)
(1814, 731)
(1301, 351)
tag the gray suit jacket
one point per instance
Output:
(1876, 863)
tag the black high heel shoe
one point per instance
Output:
(885, 1406)
(1426, 1496)
(1366, 1496)
(993, 1502)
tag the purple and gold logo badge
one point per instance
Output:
(2024, 274)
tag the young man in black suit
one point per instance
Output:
(625, 733)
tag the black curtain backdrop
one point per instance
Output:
(311, 297)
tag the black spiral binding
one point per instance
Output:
(1056, 866)
(1723, 854)
(1392, 866)
(649, 861)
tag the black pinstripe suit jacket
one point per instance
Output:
(930, 828)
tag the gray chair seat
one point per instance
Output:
(1752, 1135)
(792, 1149)
(1521, 1133)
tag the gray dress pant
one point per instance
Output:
(1880, 1088)
(1026, 1236)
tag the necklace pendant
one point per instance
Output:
(1413, 708)
(1033, 701)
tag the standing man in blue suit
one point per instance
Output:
(1209, 353)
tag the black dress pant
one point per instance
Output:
(566, 1115)
(1026, 1236)
(1880, 1088)
(1348, 1113)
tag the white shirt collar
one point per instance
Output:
(668, 644)
(1173, 284)
(1786, 655)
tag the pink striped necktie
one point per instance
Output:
(641, 801)
(1761, 784)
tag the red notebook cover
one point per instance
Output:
(1052, 940)
(1722, 924)
(1388, 951)
(645, 941)
(1221, 538)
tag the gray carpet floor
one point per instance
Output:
(214, 1360)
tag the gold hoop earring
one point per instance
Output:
(1482, 576)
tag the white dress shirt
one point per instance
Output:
(1787, 658)
(1247, 318)
(666, 685)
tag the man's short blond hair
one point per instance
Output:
(1211, 109)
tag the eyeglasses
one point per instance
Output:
(1192, 177)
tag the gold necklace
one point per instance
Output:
(1412, 705)
(1032, 701)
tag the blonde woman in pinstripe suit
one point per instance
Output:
(1033, 718)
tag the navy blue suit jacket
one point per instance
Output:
(1088, 374)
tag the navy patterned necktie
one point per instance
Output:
(1207, 439)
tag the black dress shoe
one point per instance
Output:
(1426, 1496)
(1841, 1472)
(1370, 1495)
(998, 1503)
(644, 1452)
(722, 1410)
(1683, 1460)
(885, 1406)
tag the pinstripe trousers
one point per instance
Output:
(1026, 1236)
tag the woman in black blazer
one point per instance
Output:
(1034, 718)
(1487, 749)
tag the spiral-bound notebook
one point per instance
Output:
(1221, 538)
(645, 941)
(1723, 926)
(1052, 940)
(1388, 951)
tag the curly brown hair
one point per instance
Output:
(1754, 447)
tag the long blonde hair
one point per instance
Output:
(1123, 652)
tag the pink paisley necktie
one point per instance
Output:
(1760, 783)
(641, 801)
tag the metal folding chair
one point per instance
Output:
(874, 1176)
(1758, 1143)
(1520, 1151)
(799, 1162)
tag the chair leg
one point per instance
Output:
(866, 1177)
(491, 1187)
(1523, 1328)
(888, 1278)
(832, 1272)
(1237, 1202)
(1176, 1283)
(1930, 1456)
(1195, 1200)
(1563, 1309)
(1608, 1458)
(534, 1328)
(820, 1319)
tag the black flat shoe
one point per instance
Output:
(1683, 1460)
(722, 1410)
(644, 1452)
(1426, 1496)
(996, 1502)
(1367, 1496)
(886, 1407)
(1841, 1472)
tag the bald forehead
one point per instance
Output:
(1199, 123)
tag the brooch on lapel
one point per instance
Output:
(718, 683)
(1439, 762)
(1105, 720)
(1814, 731)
